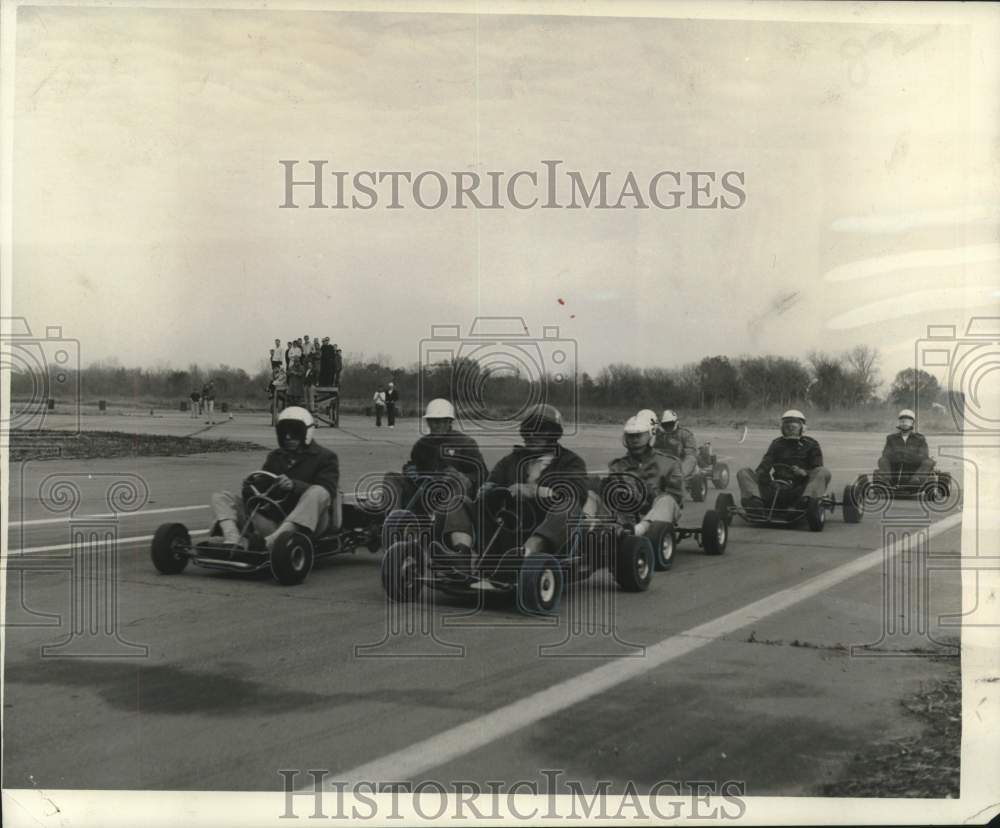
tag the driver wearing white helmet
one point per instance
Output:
(673, 439)
(905, 453)
(660, 473)
(308, 477)
(793, 457)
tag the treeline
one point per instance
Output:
(824, 381)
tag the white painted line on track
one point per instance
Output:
(62, 547)
(119, 515)
(459, 741)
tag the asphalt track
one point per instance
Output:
(731, 668)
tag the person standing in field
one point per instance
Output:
(208, 400)
(326, 363)
(196, 403)
(379, 399)
(391, 400)
(277, 356)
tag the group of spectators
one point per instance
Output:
(204, 401)
(300, 366)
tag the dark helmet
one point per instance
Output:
(542, 419)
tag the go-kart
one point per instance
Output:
(786, 506)
(291, 559)
(934, 486)
(626, 497)
(707, 468)
(499, 565)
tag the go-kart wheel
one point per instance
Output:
(661, 538)
(539, 585)
(852, 504)
(714, 533)
(720, 476)
(724, 505)
(698, 487)
(934, 492)
(165, 548)
(633, 564)
(399, 524)
(291, 558)
(402, 567)
(816, 514)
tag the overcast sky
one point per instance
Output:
(147, 184)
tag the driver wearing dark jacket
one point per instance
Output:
(792, 457)
(308, 477)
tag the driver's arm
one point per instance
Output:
(815, 457)
(327, 476)
(766, 463)
(688, 447)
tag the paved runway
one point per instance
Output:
(730, 668)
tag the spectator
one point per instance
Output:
(288, 355)
(309, 384)
(379, 399)
(295, 352)
(327, 354)
(391, 399)
(277, 356)
(278, 388)
(208, 397)
(338, 364)
(296, 386)
(196, 403)
(307, 348)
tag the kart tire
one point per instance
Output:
(539, 585)
(714, 533)
(852, 504)
(698, 488)
(163, 549)
(633, 565)
(663, 543)
(934, 492)
(291, 558)
(720, 476)
(402, 565)
(816, 515)
(724, 505)
(399, 524)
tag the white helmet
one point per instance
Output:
(439, 409)
(636, 427)
(788, 430)
(296, 421)
(906, 413)
(904, 422)
(647, 415)
(794, 414)
(669, 418)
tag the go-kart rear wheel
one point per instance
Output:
(633, 564)
(852, 504)
(720, 476)
(724, 505)
(539, 585)
(164, 550)
(291, 558)
(402, 567)
(816, 514)
(698, 488)
(399, 524)
(714, 533)
(661, 538)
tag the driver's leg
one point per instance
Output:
(229, 513)
(746, 479)
(311, 513)
(817, 482)
(665, 509)
(688, 464)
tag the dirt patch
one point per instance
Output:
(926, 766)
(67, 445)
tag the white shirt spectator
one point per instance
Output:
(278, 354)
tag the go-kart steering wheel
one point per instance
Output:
(260, 491)
(787, 481)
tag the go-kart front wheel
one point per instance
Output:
(402, 568)
(714, 533)
(698, 488)
(720, 476)
(165, 548)
(291, 558)
(852, 504)
(539, 585)
(661, 538)
(724, 505)
(633, 564)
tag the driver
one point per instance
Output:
(444, 450)
(800, 461)
(530, 472)
(905, 452)
(659, 472)
(677, 442)
(307, 479)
